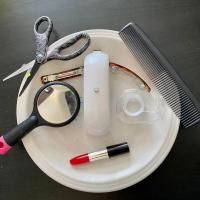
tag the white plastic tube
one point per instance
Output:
(96, 93)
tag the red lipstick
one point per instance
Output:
(109, 152)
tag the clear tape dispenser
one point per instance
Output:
(139, 106)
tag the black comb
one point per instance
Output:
(162, 74)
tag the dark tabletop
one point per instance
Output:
(173, 25)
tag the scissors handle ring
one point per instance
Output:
(42, 38)
(56, 53)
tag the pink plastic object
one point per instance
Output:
(4, 147)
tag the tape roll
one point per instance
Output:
(133, 105)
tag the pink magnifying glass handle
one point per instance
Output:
(4, 147)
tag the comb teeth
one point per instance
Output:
(162, 74)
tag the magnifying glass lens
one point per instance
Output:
(57, 104)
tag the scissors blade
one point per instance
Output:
(22, 69)
(30, 77)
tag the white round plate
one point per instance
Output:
(51, 148)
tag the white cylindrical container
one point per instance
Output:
(96, 93)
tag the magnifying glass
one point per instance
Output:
(56, 104)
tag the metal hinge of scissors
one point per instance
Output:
(43, 56)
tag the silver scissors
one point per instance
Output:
(43, 56)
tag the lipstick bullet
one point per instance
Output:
(109, 152)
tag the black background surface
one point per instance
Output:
(173, 25)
